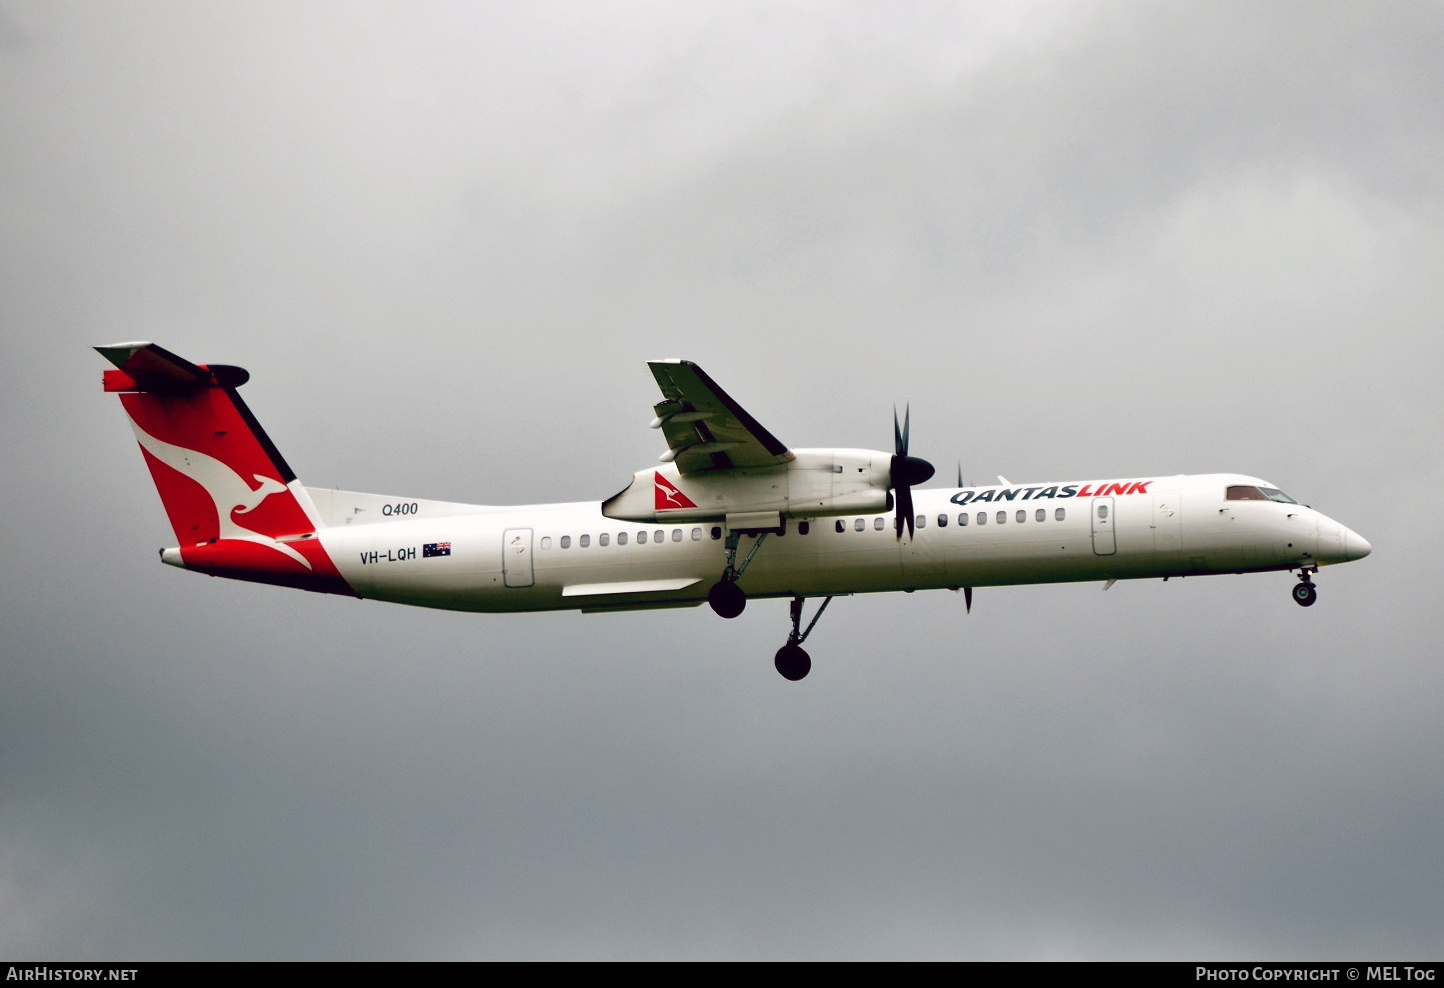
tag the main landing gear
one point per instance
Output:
(729, 600)
(792, 662)
(1304, 591)
(726, 597)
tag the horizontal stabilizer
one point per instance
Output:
(147, 367)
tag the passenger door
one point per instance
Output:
(516, 565)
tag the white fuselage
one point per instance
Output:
(571, 556)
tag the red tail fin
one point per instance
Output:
(236, 506)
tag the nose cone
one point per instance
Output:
(1340, 544)
(1355, 546)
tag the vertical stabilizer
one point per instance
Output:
(235, 504)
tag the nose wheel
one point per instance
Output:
(1305, 593)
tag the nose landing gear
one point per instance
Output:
(1304, 591)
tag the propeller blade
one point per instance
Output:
(968, 598)
(960, 473)
(904, 511)
(905, 471)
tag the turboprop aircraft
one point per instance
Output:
(813, 522)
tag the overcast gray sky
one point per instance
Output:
(1082, 239)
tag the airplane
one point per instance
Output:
(728, 514)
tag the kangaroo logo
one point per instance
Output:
(228, 489)
(668, 496)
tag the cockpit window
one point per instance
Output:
(1241, 492)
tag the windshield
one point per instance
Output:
(1274, 494)
(1243, 492)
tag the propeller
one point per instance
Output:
(905, 471)
(967, 591)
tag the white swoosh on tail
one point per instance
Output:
(227, 489)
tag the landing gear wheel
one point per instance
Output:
(727, 598)
(792, 662)
(1305, 595)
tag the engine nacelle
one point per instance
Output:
(816, 482)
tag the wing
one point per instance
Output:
(706, 429)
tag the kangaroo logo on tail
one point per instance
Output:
(227, 488)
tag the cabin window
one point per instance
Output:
(676, 535)
(621, 538)
(1102, 511)
(982, 517)
(641, 538)
(942, 521)
(1002, 517)
(838, 525)
(603, 539)
(1059, 514)
(716, 532)
(584, 541)
(566, 541)
(546, 541)
(860, 524)
(877, 524)
(696, 535)
(922, 521)
(963, 518)
(1242, 492)
(659, 536)
(803, 527)
(1041, 514)
(1022, 515)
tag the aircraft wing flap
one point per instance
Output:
(705, 428)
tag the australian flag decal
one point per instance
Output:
(435, 549)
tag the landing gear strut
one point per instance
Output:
(1304, 592)
(792, 662)
(726, 597)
